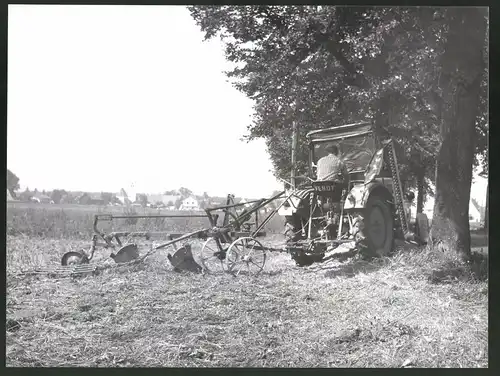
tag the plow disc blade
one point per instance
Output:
(183, 259)
(74, 258)
(126, 254)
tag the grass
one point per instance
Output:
(418, 308)
(390, 313)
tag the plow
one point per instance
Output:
(231, 246)
(323, 219)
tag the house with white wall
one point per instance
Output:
(474, 211)
(475, 214)
(476, 203)
(167, 200)
(190, 203)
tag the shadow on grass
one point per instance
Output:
(267, 273)
(436, 266)
(339, 268)
(352, 268)
(475, 269)
(479, 265)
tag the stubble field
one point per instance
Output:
(417, 308)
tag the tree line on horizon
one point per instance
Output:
(62, 196)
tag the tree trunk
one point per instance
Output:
(420, 190)
(462, 66)
(294, 154)
(486, 208)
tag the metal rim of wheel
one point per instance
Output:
(244, 257)
(212, 259)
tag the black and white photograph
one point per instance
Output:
(247, 186)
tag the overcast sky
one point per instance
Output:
(105, 97)
(100, 97)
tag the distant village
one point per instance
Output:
(182, 199)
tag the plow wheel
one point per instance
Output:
(247, 256)
(212, 259)
(374, 232)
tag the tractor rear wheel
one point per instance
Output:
(374, 231)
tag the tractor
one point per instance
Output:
(362, 216)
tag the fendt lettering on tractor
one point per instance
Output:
(366, 214)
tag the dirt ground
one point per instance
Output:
(392, 312)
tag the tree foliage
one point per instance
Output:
(178, 203)
(107, 197)
(142, 199)
(12, 182)
(185, 192)
(323, 65)
(172, 192)
(57, 195)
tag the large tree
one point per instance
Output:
(322, 66)
(462, 71)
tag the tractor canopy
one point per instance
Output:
(356, 143)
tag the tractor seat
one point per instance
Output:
(331, 189)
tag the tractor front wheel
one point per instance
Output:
(374, 230)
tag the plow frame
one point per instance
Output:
(228, 233)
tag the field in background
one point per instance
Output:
(417, 308)
(75, 221)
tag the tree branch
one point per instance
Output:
(328, 41)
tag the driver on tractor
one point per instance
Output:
(332, 167)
